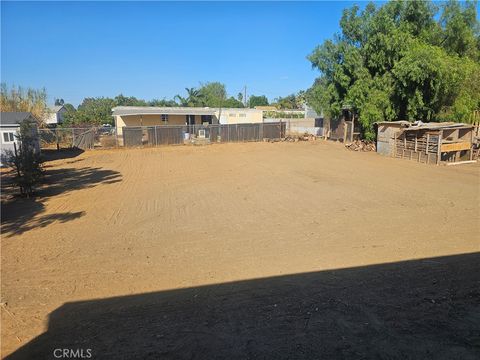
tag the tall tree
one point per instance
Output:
(213, 94)
(20, 99)
(288, 102)
(121, 100)
(93, 111)
(194, 98)
(398, 61)
(257, 101)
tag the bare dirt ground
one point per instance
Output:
(258, 250)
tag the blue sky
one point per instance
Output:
(156, 49)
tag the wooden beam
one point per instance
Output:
(439, 146)
(456, 146)
(461, 162)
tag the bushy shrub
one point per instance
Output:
(25, 160)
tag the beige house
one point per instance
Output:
(155, 116)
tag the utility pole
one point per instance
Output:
(245, 96)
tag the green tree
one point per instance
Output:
(92, 111)
(213, 94)
(121, 100)
(257, 101)
(162, 103)
(288, 102)
(231, 102)
(69, 107)
(398, 62)
(194, 98)
(29, 100)
(461, 31)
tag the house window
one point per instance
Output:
(242, 115)
(232, 115)
(165, 117)
(8, 137)
(206, 119)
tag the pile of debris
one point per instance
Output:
(304, 137)
(361, 145)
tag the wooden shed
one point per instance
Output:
(426, 142)
(385, 135)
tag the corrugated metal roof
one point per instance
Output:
(401, 122)
(408, 126)
(437, 126)
(13, 118)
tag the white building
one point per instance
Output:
(55, 115)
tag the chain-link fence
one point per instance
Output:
(297, 127)
(109, 137)
(200, 134)
(82, 138)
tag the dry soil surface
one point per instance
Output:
(256, 250)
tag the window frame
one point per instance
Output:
(11, 137)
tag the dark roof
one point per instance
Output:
(13, 118)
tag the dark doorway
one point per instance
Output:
(190, 119)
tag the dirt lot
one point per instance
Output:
(258, 250)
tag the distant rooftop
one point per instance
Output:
(150, 110)
(13, 118)
(55, 108)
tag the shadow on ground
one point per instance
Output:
(21, 214)
(54, 154)
(422, 309)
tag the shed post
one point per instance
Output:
(439, 144)
(471, 143)
(353, 127)
(426, 149)
(395, 144)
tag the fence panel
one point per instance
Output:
(171, 135)
(132, 136)
(83, 138)
(56, 138)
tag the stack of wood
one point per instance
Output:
(307, 137)
(304, 137)
(361, 145)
